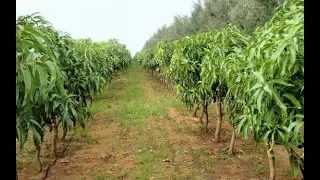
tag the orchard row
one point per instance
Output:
(257, 78)
(57, 76)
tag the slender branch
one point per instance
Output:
(46, 170)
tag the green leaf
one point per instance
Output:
(259, 100)
(259, 76)
(36, 123)
(52, 70)
(293, 100)
(74, 113)
(240, 125)
(282, 136)
(294, 124)
(251, 54)
(256, 86)
(279, 81)
(292, 55)
(297, 130)
(267, 89)
(35, 97)
(266, 136)
(17, 92)
(22, 135)
(43, 76)
(299, 115)
(36, 135)
(27, 80)
(276, 97)
(245, 131)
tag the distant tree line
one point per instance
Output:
(208, 15)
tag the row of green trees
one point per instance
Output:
(258, 77)
(209, 15)
(56, 78)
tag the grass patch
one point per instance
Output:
(202, 159)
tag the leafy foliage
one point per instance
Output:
(274, 78)
(186, 66)
(261, 75)
(56, 75)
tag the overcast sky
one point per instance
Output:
(130, 21)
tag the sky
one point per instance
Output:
(132, 22)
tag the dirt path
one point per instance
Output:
(140, 130)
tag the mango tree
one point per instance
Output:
(162, 54)
(223, 42)
(184, 70)
(37, 78)
(273, 79)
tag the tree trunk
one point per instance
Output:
(55, 138)
(206, 122)
(64, 133)
(201, 116)
(207, 118)
(38, 151)
(272, 163)
(233, 140)
(16, 174)
(50, 127)
(195, 111)
(219, 119)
